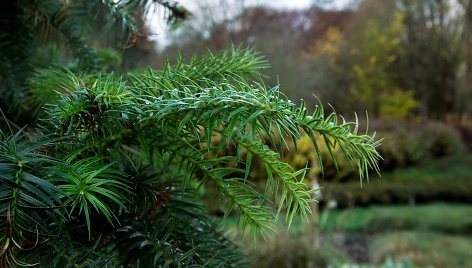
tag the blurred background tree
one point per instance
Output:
(375, 54)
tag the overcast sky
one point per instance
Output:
(297, 4)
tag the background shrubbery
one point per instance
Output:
(289, 250)
(404, 143)
(407, 143)
(430, 158)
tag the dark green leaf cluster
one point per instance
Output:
(83, 35)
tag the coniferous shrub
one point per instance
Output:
(107, 172)
(115, 164)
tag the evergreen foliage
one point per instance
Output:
(133, 148)
(110, 176)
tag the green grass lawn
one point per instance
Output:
(447, 179)
(440, 217)
(444, 218)
(423, 249)
(433, 235)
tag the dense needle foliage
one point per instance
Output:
(114, 170)
(110, 176)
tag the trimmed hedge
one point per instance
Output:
(395, 192)
(409, 143)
